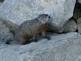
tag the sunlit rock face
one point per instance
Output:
(63, 47)
(19, 11)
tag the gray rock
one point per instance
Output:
(63, 47)
(77, 11)
(70, 26)
(18, 11)
(5, 34)
(12, 26)
(79, 1)
(79, 20)
(79, 25)
(0, 4)
(79, 28)
(1, 1)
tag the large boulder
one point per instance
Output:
(5, 34)
(79, 1)
(77, 11)
(1, 1)
(70, 26)
(18, 11)
(79, 25)
(63, 47)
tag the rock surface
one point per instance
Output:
(70, 26)
(1, 0)
(5, 34)
(18, 11)
(63, 47)
(77, 11)
(12, 26)
(79, 20)
(79, 25)
(79, 1)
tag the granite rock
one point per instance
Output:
(63, 47)
(18, 11)
(79, 25)
(77, 11)
(70, 26)
(5, 33)
(79, 1)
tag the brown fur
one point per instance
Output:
(30, 30)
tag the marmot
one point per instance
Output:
(31, 29)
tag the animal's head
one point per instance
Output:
(44, 18)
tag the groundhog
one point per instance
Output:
(32, 29)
